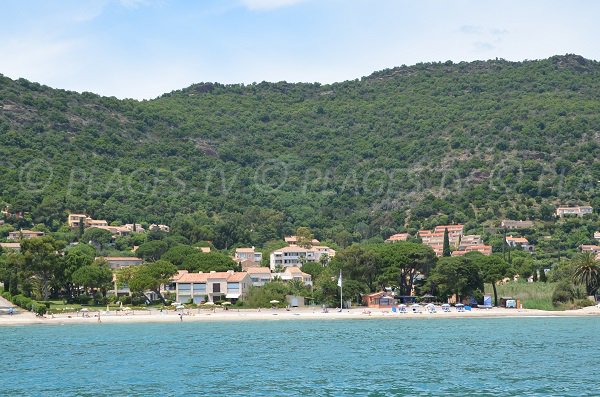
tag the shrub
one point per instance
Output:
(563, 293)
(6, 295)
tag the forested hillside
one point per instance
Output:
(403, 148)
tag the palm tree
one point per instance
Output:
(587, 271)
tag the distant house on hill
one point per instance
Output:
(397, 237)
(519, 242)
(597, 235)
(11, 246)
(510, 224)
(247, 254)
(578, 210)
(294, 255)
(24, 234)
(259, 275)
(293, 240)
(590, 248)
(119, 262)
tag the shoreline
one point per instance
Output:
(233, 315)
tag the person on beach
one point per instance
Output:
(181, 317)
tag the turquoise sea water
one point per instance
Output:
(422, 357)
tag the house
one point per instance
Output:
(379, 300)
(293, 240)
(1, 222)
(119, 262)
(75, 221)
(247, 254)
(293, 273)
(204, 250)
(159, 228)
(590, 248)
(397, 237)
(213, 286)
(509, 224)
(137, 227)
(115, 231)
(519, 242)
(597, 235)
(294, 255)
(435, 238)
(578, 210)
(11, 246)
(24, 234)
(259, 275)
(469, 240)
(484, 249)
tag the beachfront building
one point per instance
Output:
(510, 224)
(580, 210)
(294, 255)
(522, 242)
(259, 275)
(24, 234)
(212, 287)
(294, 273)
(247, 254)
(397, 237)
(379, 300)
(119, 262)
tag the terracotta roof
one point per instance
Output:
(292, 248)
(260, 269)
(249, 250)
(398, 237)
(204, 277)
(518, 240)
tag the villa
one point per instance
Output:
(24, 234)
(597, 235)
(397, 237)
(509, 224)
(11, 246)
(578, 210)
(294, 273)
(259, 275)
(295, 256)
(293, 240)
(119, 262)
(590, 248)
(247, 254)
(212, 287)
(519, 242)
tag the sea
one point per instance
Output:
(373, 357)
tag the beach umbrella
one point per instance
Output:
(85, 309)
(226, 303)
(180, 307)
(175, 304)
(274, 301)
(127, 308)
(209, 303)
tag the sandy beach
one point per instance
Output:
(201, 315)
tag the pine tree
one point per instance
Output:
(446, 251)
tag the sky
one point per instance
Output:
(143, 48)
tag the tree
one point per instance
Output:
(455, 275)
(446, 248)
(93, 276)
(207, 262)
(152, 250)
(77, 257)
(493, 269)
(177, 254)
(43, 259)
(305, 237)
(401, 262)
(151, 276)
(587, 271)
(357, 263)
(95, 236)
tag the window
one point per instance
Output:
(199, 287)
(216, 287)
(185, 286)
(233, 287)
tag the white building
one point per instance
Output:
(213, 286)
(247, 254)
(296, 256)
(579, 210)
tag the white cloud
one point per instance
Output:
(257, 5)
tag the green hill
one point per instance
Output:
(403, 148)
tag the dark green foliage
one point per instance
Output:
(354, 161)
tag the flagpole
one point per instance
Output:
(341, 293)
